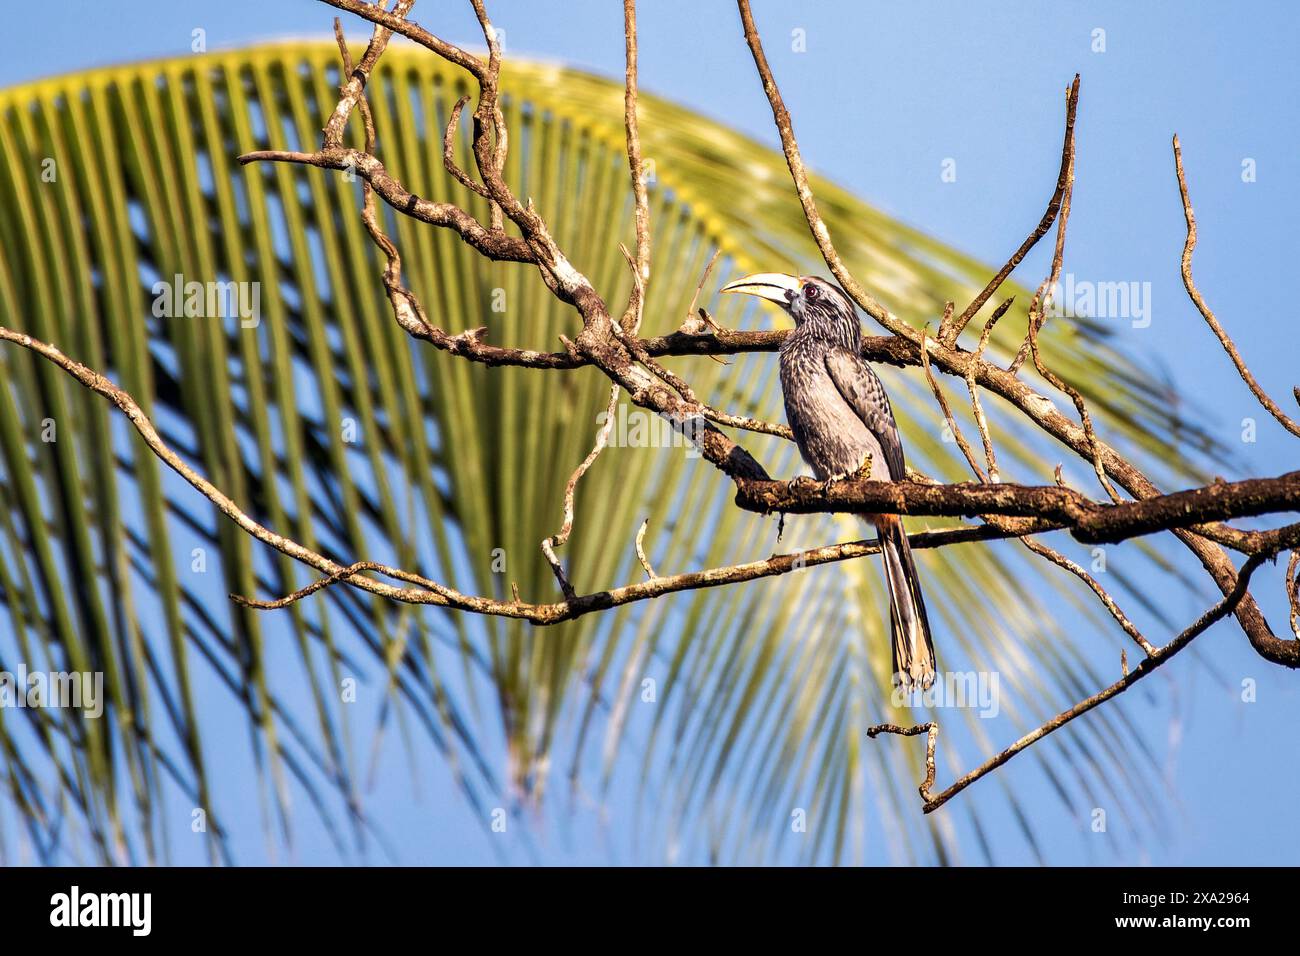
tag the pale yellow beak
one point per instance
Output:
(774, 286)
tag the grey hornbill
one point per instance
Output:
(842, 422)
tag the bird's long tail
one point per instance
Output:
(913, 648)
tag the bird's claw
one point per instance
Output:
(862, 471)
(829, 482)
(793, 484)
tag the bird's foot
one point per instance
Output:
(829, 482)
(862, 471)
(793, 484)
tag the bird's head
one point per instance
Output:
(808, 299)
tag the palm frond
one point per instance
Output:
(329, 424)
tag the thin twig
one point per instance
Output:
(976, 406)
(1038, 314)
(931, 730)
(632, 318)
(376, 14)
(1061, 561)
(407, 309)
(679, 385)
(948, 335)
(353, 88)
(1038, 305)
(448, 152)
(691, 315)
(492, 244)
(1293, 591)
(799, 175)
(562, 536)
(1080, 406)
(1228, 346)
(488, 115)
(336, 577)
(1148, 665)
(947, 412)
(640, 550)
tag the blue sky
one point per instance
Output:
(884, 95)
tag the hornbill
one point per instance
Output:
(841, 420)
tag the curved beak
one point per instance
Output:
(774, 286)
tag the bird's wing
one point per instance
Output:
(860, 387)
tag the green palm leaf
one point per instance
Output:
(329, 424)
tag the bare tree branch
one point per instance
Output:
(354, 87)
(1188, 247)
(1089, 521)
(1293, 591)
(562, 536)
(632, 319)
(977, 407)
(943, 405)
(448, 147)
(640, 550)
(493, 245)
(948, 334)
(1005, 383)
(1061, 561)
(933, 802)
(397, 23)
(931, 731)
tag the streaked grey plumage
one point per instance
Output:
(840, 415)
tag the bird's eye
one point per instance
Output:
(810, 293)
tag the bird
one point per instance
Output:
(842, 422)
